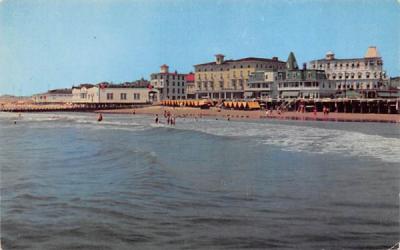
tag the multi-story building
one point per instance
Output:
(303, 83)
(228, 79)
(262, 84)
(170, 85)
(54, 96)
(291, 82)
(190, 86)
(126, 93)
(360, 74)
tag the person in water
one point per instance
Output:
(156, 119)
(100, 117)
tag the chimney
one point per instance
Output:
(304, 66)
(219, 59)
(275, 58)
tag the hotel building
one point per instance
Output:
(171, 86)
(291, 82)
(228, 79)
(360, 74)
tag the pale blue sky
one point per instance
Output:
(58, 43)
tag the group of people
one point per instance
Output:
(171, 119)
(325, 110)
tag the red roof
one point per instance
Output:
(190, 77)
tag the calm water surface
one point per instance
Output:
(68, 182)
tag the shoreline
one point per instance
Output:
(257, 114)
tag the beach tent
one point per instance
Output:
(254, 105)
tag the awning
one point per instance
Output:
(227, 104)
(290, 93)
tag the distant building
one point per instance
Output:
(228, 79)
(171, 86)
(126, 93)
(303, 83)
(394, 83)
(262, 84)
(190, 86)
(291, 82)
(54, 96)
(359, 74)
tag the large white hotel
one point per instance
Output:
(364, 73)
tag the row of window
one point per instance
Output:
(359, 86)
(123, 96)
(347, 65)
(353, 75)
(178, 91)
(176, 97)
(301, 84)
(169, 76)
(258, 66)
(222, 77)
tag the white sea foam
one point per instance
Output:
(306, 139)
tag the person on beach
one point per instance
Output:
(134, 112)
(156, 120)
(315, 110)
(173, 120)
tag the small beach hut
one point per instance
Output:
(253, 105)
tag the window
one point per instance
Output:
(110, 96)
(123, 96)
(136, 96)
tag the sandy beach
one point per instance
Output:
(257, 114)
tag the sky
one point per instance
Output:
(48, 44)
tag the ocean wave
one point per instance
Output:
(289, 137)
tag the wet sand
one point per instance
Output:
(258, 114)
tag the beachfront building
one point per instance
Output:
(363, 75)
(262, 84)
(126, 93)
(190, 86)
(228, 79)
(54, 96)
(291, 82)
(294, 82)
(171, 86)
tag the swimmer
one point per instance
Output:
(156, 119)
(100, 117)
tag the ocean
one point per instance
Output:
(70, 182)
